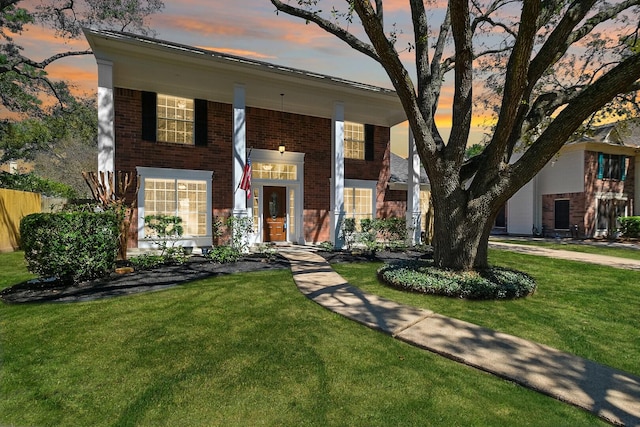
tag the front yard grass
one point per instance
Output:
(237, 350)
(584, 309)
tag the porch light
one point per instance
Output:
(281, 146)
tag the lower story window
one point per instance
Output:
(358, 203)
(562, 221)
(609, 210)
(182, 193)
(186, 199)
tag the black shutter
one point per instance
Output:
(368, 142)
(149, 116)
(200, 116)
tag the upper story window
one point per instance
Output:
(175, 119)
(612, 166)
(354, 140)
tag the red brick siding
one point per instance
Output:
(576, 212)
(265, 129)
(593, 186)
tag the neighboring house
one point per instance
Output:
(184, 120)
(588, 185)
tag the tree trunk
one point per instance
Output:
(461, 233)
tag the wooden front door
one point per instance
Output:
(274, 207)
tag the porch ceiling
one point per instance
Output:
(148, 64)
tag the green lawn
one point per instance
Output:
(241, 350)
(584, 309)
(600, 249)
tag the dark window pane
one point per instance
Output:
(561, 215)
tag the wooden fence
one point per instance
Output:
(15, 205)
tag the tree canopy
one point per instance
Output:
(23, 80)
(545, 68)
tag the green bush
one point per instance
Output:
(630, 226)
(224, 254)
(147, 261)
(166, 231)
(348, 231)
(423, 277)
(70, 246)
(35, 184)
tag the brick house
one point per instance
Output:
(588, 185)
(185, 120)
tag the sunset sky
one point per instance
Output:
(248, 28)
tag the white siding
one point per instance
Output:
(520, 210)
(563, 174)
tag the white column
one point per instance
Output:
(337, 174)
(636, 196)
(106, 133)
(413, 193)
(239, 150)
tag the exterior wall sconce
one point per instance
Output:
(281, 146)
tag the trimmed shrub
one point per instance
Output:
(630, 226)
(147, 261)
(70, 246)
(224, 254)
(423, 277)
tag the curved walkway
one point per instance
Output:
(609, 393)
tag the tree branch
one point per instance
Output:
(421, 39)
(43, 64)
(329, 27)
(463, 69)
(621, 79)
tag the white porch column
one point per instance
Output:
(106, 132)
(636, 196)
(337, 174)
(239, 150)
(413, 193)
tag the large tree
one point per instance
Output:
(550, 65)
(23, 80)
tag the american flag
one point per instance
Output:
(245, 181)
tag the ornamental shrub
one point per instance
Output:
(71, 246)
(630, 226)
(423, 277)
(224, 254)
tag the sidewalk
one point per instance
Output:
(611, 394)
(610, 261)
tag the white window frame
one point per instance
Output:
(348, 153)
(362, 184)
(176, 174)
(177, 120)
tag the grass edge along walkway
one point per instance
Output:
(611, 394)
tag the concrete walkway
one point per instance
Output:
(610, 261)
(611, 394)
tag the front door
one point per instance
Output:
(274, 205)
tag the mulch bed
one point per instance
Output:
(167, 276)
